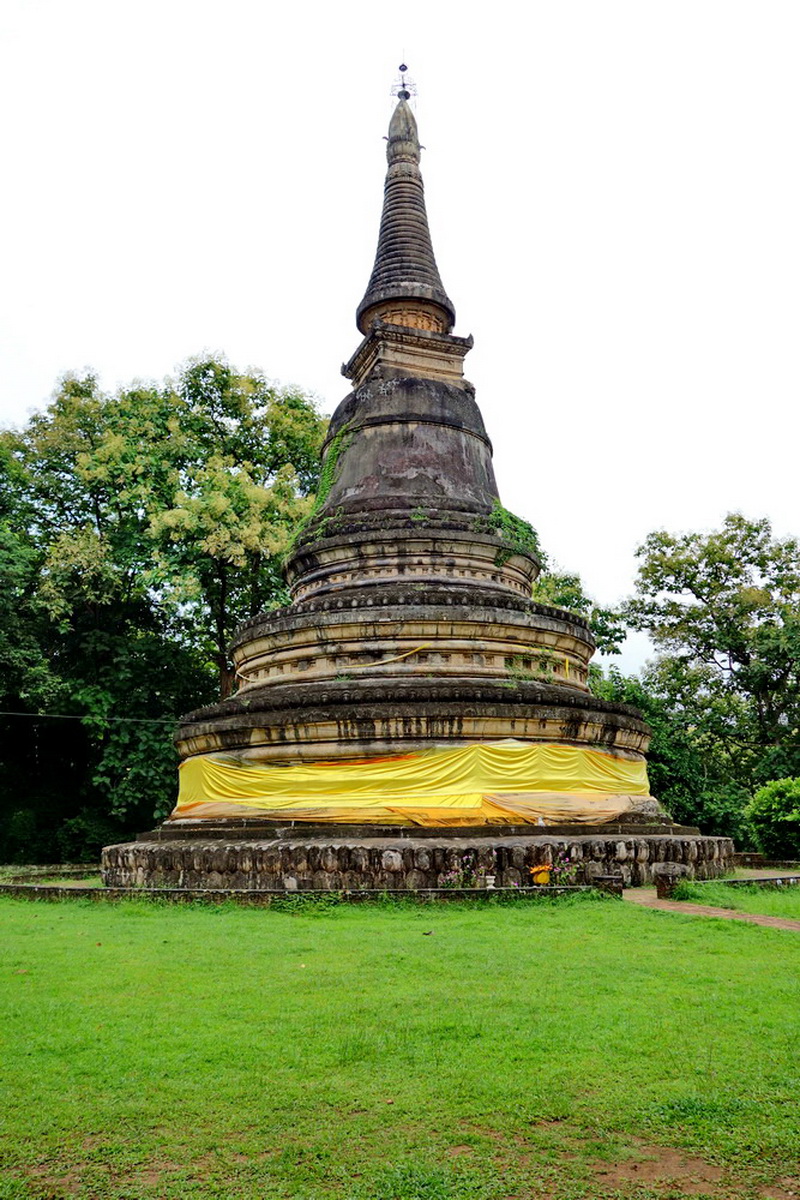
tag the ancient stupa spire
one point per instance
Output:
(412, 681)
(405, 287)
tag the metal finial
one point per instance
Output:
(403, 89)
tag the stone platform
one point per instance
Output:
(264, 855)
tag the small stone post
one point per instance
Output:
(667, 875)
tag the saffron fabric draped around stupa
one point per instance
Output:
(488, 783)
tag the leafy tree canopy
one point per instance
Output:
(566, 591)
(725, 609)
(137, 530)
(178, 499)
(690, 771)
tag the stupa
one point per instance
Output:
(412, 705)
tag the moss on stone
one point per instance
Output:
(327, 477)
(518, 535)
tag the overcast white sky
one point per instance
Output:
(613, 191)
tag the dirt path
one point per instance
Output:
(646, 897)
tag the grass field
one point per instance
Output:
(771, 901)
(582, 1048)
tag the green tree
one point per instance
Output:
(91, 647)
(248, 462)
(136, 531)
(566, 591)
(688, 770)
(180, 497)
(25, 675)
(724, 608)
(723, 696)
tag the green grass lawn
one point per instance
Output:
(582, 1048)
(771, 901)
(49, 874)
(87, 880)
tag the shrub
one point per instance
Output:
(774, 815)
(720, 812)
(81, 839)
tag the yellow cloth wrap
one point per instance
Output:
(488, 783)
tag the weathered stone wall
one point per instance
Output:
(365, 717)
(410, 863)
(313, 645)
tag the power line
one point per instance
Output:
(78, 717)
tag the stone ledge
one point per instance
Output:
(265, 896)
(760, 881)
(379, 594)
(262, 829)
(366, 693)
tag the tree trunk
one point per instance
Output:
(227, 677)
